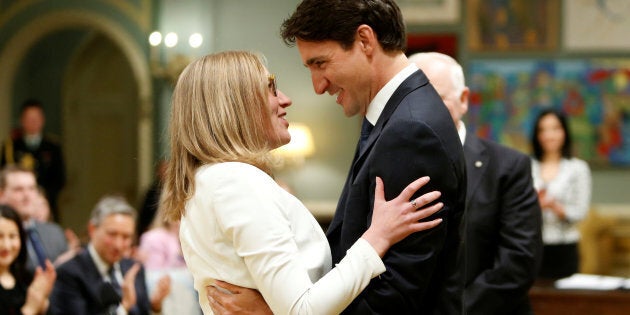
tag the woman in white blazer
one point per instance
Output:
(237, 224)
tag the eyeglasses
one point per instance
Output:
(272, 84)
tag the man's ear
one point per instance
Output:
(463, 98)
(91, 228)
(366, 38)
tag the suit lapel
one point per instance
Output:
(413, 82)
(92, 277)
(477, 160)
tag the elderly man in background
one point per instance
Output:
(503, 244)
(101, 280)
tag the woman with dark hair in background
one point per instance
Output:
(564, 189)
(18, 294)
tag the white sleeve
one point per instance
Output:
(579, 200)
(249, 215)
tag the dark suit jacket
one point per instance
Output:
(77, 290)
(503, 237)
(53, 240)
(414, 136)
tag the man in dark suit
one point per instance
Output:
(46, 240)
(31, 149)
(503, 218)
(354, 50)
(101, 280)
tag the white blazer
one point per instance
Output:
(242, 228)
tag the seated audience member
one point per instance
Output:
(41, 213)
(41, 207)
(20, 291)
(100, 279)
(45, 240)
(161, 254)
(159, 247)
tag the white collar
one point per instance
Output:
(101, 265)
(376, 106)
(461, 130)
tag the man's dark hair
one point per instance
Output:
(566, 146)
(338, 20)
(31, 103)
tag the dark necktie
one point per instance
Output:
(366, 128)
(113, 280)
(38, 247)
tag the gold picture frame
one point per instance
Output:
(417, 12)
(514, 25)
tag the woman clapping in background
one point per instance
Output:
(20, 293)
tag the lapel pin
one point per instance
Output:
(478, 164)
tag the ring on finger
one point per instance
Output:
(413, 204)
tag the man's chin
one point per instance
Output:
(349, 113)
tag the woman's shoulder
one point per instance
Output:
(228, 169)
(535, 162)
(577, 163)
(231, 173)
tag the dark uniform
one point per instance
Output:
(45, 161)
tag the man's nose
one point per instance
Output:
(320, 83)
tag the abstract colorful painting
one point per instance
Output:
(506, 96)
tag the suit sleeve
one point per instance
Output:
(519, 246)
(66, 297)
(56, 243)
(579, 192)
(417, 267)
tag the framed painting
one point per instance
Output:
(513, 25)
(506, 97)
(430, 11)
(596, 25)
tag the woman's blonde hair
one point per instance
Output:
(219, 114)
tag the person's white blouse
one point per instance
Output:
(242, 228)
(572, 188)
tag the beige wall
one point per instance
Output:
(253, 24)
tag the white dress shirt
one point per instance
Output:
(376, 106)
(241, 227)
(103, 268)
(572, 188)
